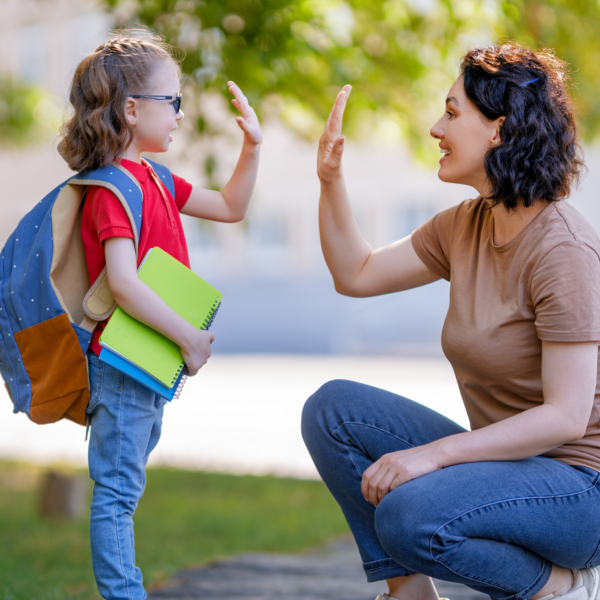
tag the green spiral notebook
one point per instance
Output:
(186, 293)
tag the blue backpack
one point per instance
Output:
(48, 310)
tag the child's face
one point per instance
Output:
(156, 119)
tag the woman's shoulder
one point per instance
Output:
(564, 225)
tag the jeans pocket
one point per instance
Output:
(96, 373)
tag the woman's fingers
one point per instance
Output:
(337, 114)
(378, 485)
(333, 126)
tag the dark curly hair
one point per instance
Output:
(98, 132)
(539, 157)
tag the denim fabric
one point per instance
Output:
(126, 423)
(496, 527)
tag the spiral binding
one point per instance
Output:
(207, 323)
(176, 375)
(180, 387)
(211, 315)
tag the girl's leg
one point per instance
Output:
(126, 420)
(346, 427)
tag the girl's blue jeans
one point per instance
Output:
(126, 423)
(496, 527)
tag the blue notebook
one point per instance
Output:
(110, 358)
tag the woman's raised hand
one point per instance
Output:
(331, 144)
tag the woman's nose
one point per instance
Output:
(437, 131)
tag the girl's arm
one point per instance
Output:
(356, 268)
(231, 205)
(569, 373)
(144, 304)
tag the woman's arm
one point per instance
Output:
(357, 270)
(144, 304)
(231, 205)
(569, 374)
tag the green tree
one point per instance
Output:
(401, 56)
(22, 107)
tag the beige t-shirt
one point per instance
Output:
(544, 284)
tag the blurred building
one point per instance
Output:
(278, 293)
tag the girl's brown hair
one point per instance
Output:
(98, 131)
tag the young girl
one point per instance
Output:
(126, 100)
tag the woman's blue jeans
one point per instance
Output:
(126, 424)
(496, 527)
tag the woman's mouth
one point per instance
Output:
(446, 152)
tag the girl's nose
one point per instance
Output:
(180, 115)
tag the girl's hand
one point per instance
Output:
(331, 144)
(396, 468)
(197, 350)
(248, 122)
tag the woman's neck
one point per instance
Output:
(507, 224)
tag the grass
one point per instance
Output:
(185, 518)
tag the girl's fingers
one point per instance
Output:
(242, 123)
(242, 102)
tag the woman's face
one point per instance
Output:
(465, 136)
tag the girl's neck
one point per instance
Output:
(133, 154)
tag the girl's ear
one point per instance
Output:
(132, 111)
(496, 139)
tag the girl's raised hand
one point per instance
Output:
(331, 144)
(248, 122)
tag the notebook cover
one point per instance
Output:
(132, 371)
(186, 293)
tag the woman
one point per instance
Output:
(510, 508)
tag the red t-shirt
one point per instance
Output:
(104, 217)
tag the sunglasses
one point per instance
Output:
(176, 100)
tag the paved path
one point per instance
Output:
(332, 573)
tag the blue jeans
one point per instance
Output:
(126, 423)
(496, 527)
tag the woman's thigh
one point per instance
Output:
(369, 422)
(538, 504)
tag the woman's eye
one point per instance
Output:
(449, 114)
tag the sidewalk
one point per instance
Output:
(331, 573)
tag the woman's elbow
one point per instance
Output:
(347, 290)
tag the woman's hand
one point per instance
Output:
(197, 350)
(396, 468)
(331, 144)
(248, 122)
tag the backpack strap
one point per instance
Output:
(164, 175)
(98, 303)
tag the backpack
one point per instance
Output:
(48, 310)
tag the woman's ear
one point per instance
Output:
(496, 139)
(131, 111)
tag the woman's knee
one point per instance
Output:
(325, 401)
(403, 529)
